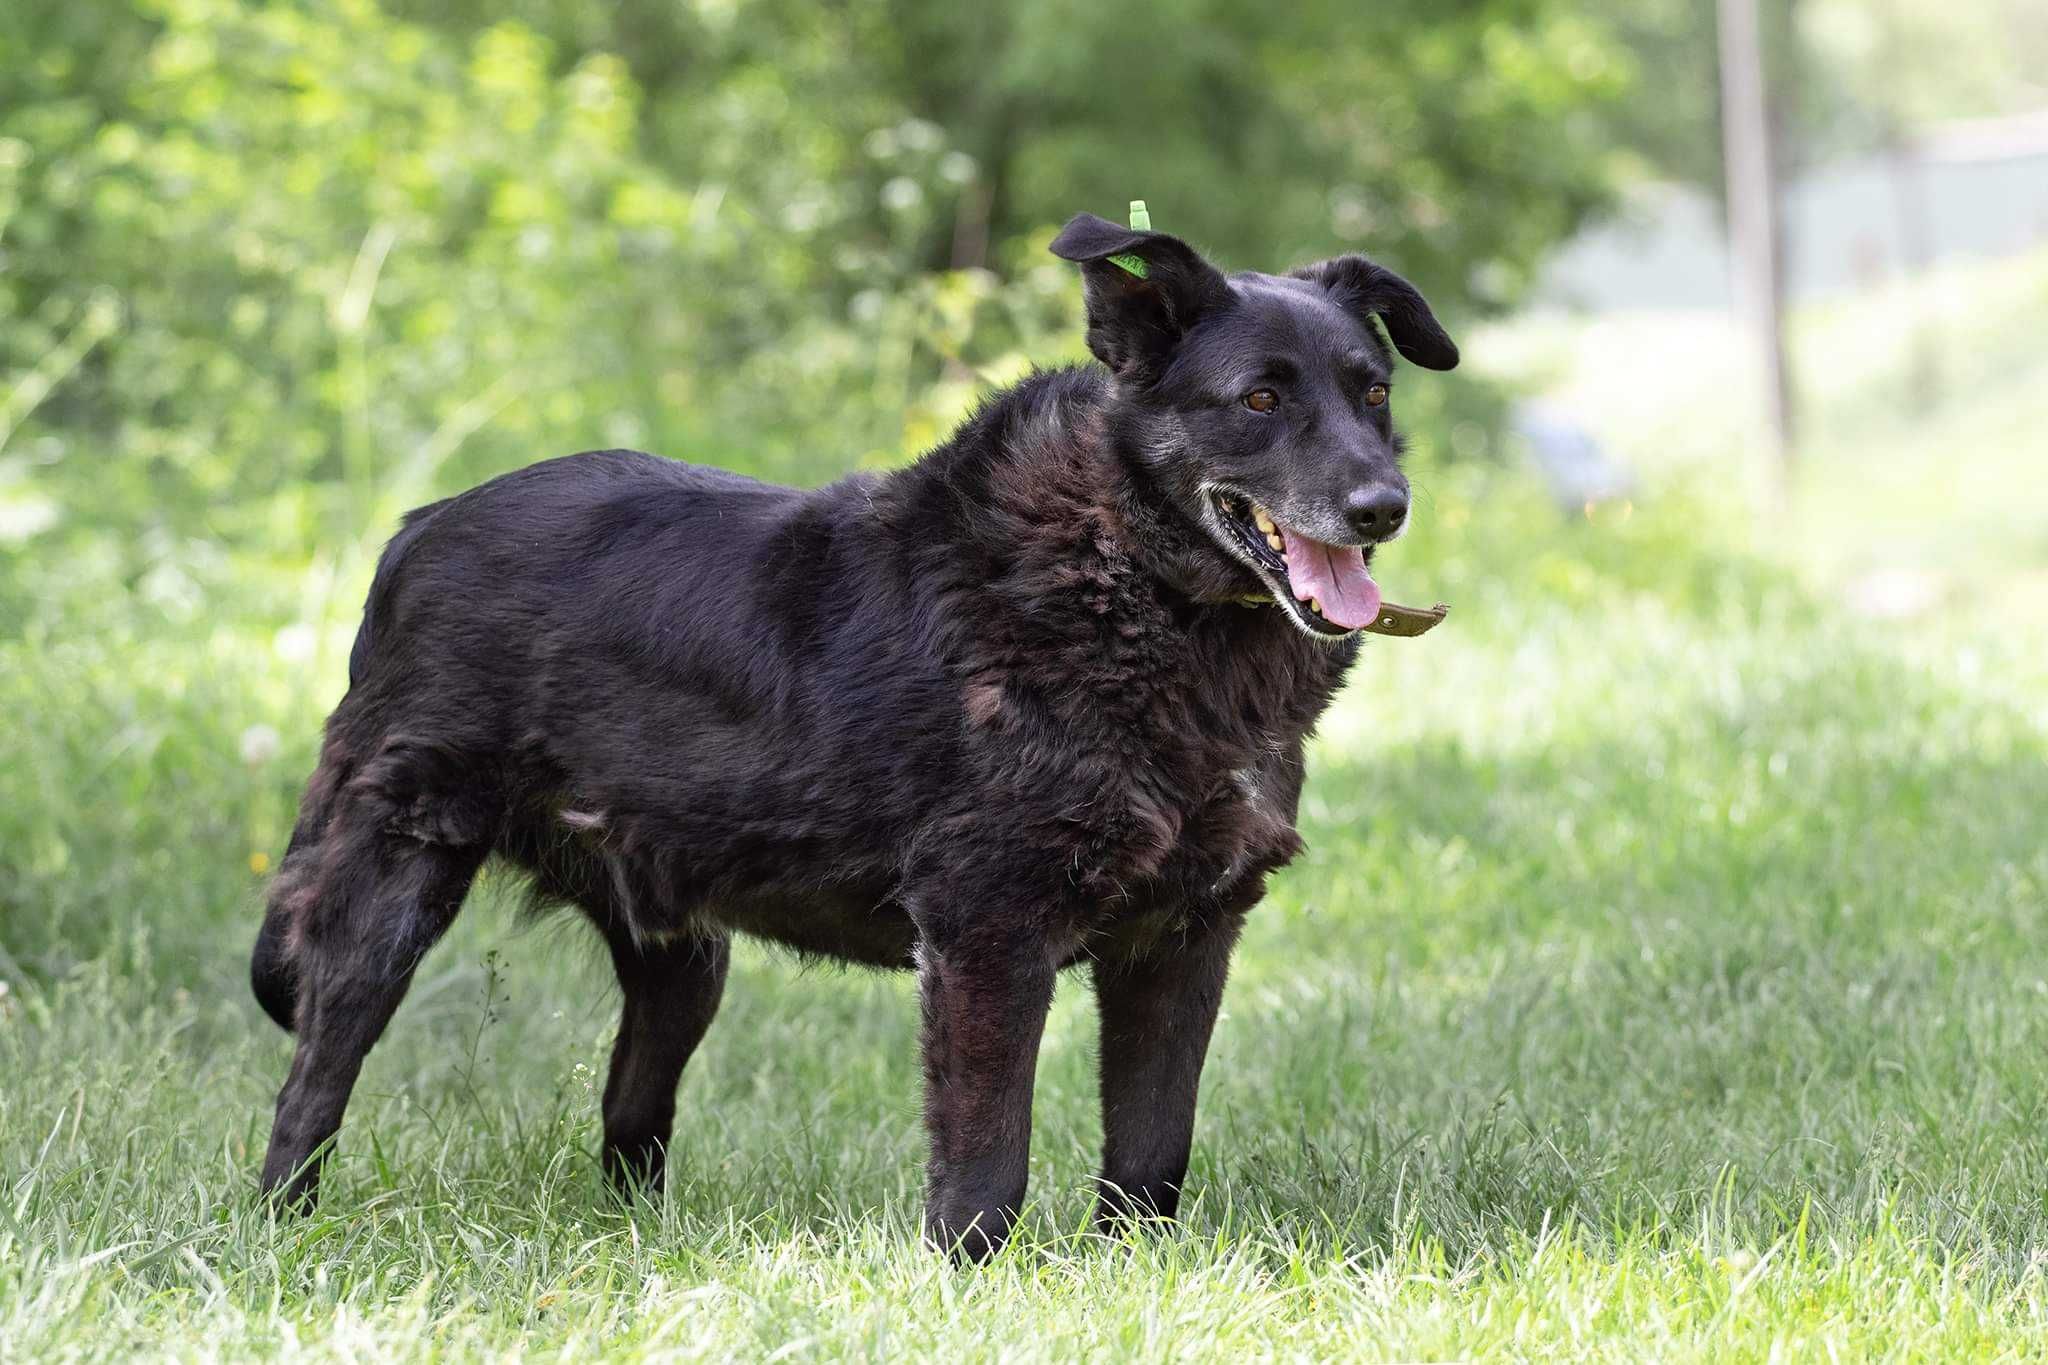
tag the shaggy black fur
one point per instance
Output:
(1028, 703)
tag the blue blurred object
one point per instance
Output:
(1578, 472)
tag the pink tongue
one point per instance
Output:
(1333, 574)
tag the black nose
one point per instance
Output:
(1376, 511)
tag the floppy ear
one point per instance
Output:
(1144, 291)
(1366, 289)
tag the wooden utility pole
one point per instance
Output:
(1752, 211)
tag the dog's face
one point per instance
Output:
(1262, 405)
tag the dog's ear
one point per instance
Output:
(1370, 290)
(1144, 291)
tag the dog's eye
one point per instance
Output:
(1376, 396)
(1262, 400)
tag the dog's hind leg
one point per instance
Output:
(378, 901)
(672, 989)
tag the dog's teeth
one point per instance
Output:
(1315, 604)
(1274, 541)
(1260, 516)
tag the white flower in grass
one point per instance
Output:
(295, 643)
(259, 745)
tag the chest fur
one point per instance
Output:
(1163, 741)
(1213, 773)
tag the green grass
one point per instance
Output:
(1663, 980)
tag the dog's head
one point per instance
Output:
(1262, 405)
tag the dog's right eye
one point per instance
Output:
(1262, 400)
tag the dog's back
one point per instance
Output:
(477, 583)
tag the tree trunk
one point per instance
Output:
(1754, 236)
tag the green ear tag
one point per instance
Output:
(1141, 221)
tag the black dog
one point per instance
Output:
(1036, 700)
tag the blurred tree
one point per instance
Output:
(1848, 75)
(336, 256)
(1460, 143)
(1905, 64)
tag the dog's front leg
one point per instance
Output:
(1157, 1012)
(984, 1013)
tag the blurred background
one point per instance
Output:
(272, 273)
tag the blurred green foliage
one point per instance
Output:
(273, 272)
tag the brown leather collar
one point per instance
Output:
(1395, 619)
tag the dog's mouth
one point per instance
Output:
(1325, 589)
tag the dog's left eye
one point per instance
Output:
(1376, 396)
(1262, 400)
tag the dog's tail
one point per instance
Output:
(271, 972)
